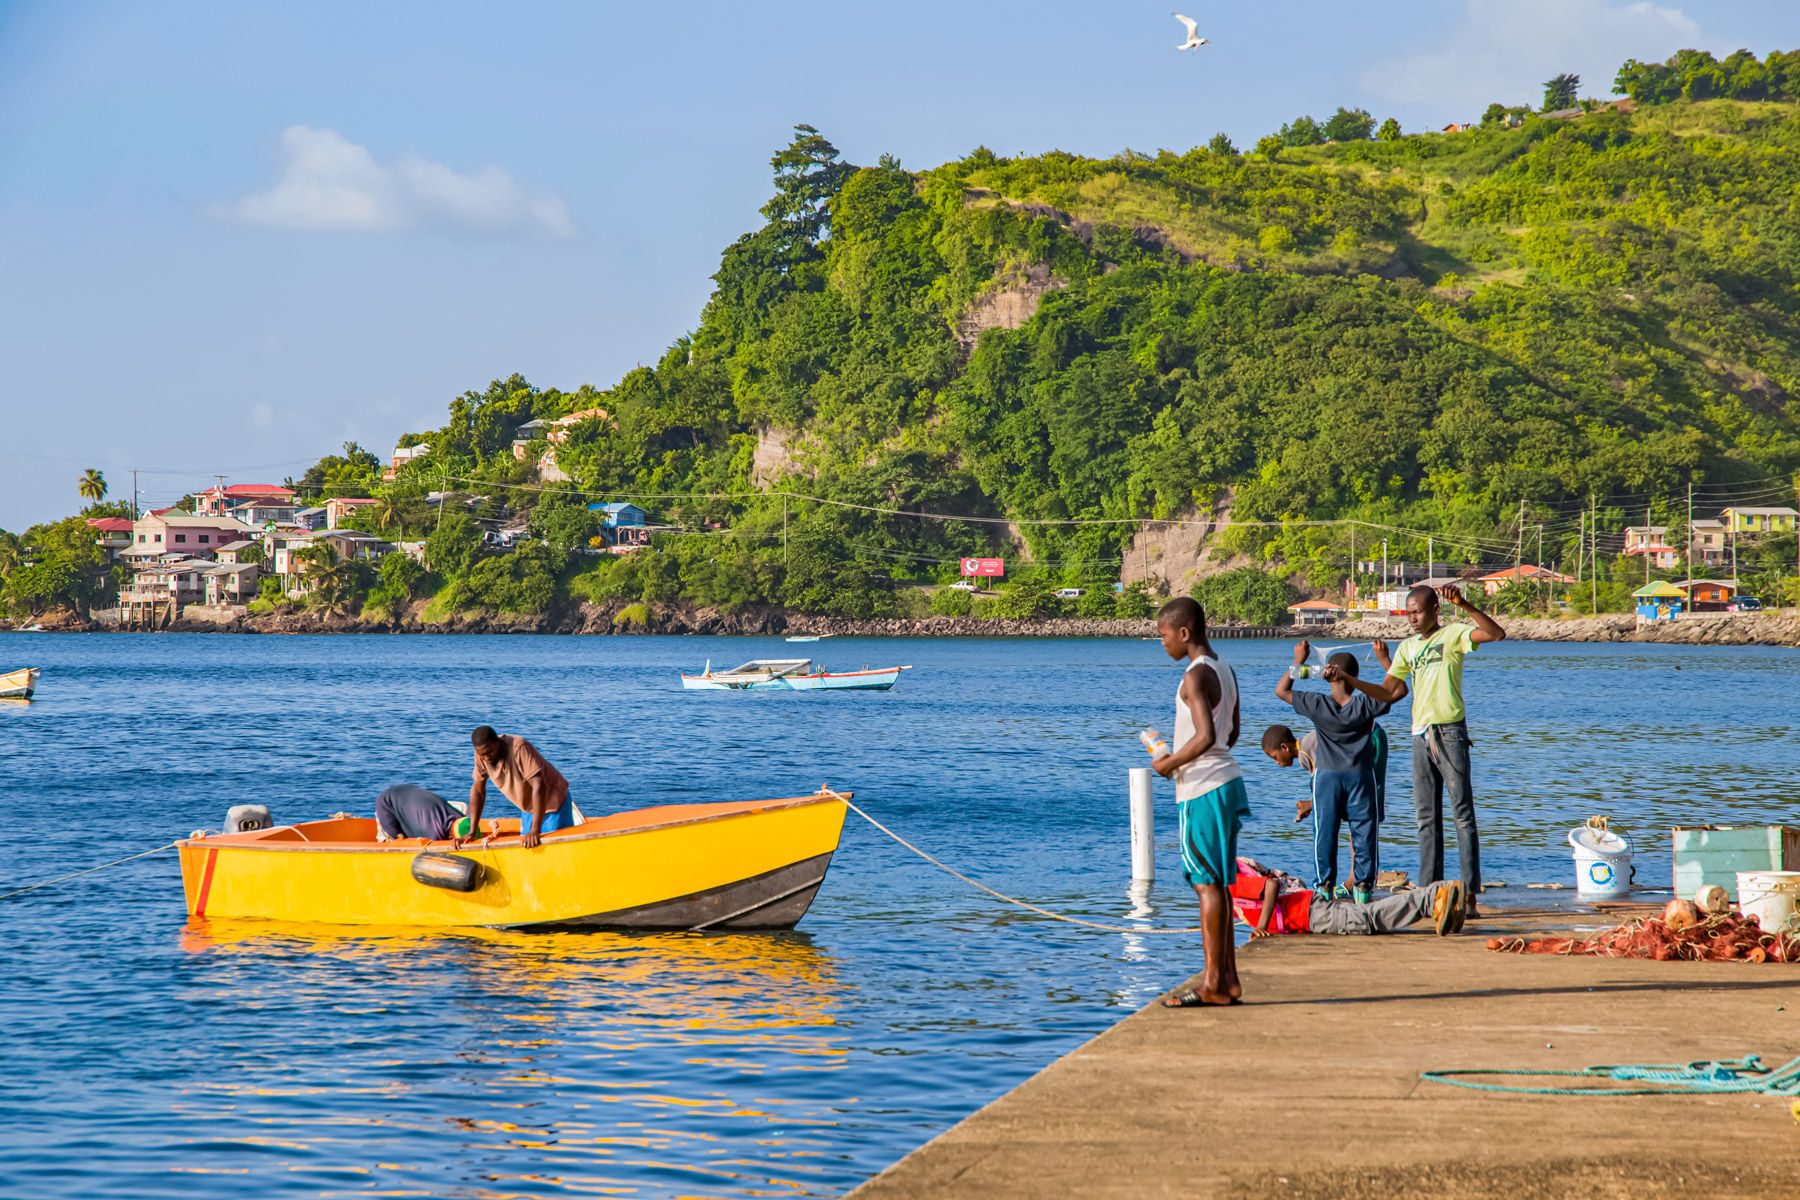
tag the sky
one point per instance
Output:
(235, 235)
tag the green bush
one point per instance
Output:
(1247, 595)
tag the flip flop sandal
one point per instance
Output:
(1190, 998)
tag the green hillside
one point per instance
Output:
(1469, 335)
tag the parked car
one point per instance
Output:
(1746, 604)
(1070, 593)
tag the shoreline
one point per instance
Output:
(1722, 629)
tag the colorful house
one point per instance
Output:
(112, 534)
(339, 507)
(624, 527)
(1706, 542)
(1751, 522)
(189, 533)
(217, 501)
(403, 455)
(1651, 541)
(1659, 601)
(1708, 595)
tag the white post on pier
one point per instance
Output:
(1143, 827)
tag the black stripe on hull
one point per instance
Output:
(774, 900)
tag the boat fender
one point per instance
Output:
(247, 818)
(452, 872)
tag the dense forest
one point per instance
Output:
(1156, 367)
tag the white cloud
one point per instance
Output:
(330, 183)
(1505, 49)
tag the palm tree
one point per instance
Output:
(92, 486)
(390, 510)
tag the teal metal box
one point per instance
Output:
(1716, 853)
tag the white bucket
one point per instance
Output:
(1602, 862)
(1772, 897)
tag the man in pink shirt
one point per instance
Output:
(524, 777)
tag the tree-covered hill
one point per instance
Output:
(1466, 335)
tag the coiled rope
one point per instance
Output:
(976, 883)
(32, 887)
(1731, 1076)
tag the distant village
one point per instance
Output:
(239, 535)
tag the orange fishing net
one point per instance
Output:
(1726, 937)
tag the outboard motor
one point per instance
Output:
(247, 818)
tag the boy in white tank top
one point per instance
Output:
(1209, 792)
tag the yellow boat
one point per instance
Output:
(740, 865)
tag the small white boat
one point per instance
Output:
(18, 685)
(809, 637)
(789, 675)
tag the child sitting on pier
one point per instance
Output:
(1272, 902)
(1344, 770)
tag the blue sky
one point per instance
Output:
(235, 235)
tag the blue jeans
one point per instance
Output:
(1340, 797)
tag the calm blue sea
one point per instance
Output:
(147, 1057)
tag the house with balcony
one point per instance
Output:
(111, 534)
(624, 527)
(218, 501)
(1651, 541)
(339, 507)
(229, 583)
(309, 518)
(1706, 542)
(1754, 522)
(353, 544)
(1315, 612)
(258, 513)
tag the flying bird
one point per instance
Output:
(1194, 41)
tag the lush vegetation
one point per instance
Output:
(1346, 336)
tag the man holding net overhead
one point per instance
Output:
(1432, 660)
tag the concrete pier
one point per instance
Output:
(1311, 1088)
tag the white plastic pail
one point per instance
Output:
(1772, 897)
(1602, 862)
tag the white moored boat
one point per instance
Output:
(790, 675)
(18, 685)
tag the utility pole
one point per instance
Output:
(784, 516)
(1384, 569)
(1687, 554)
(1540, 571)
(1355, 595)
(135, 510)
(1430, 559)
(1580, 549)
(1646, 545)
(1594, 551)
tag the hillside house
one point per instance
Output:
(111, 534)
(353, 544)
(229, 583)
(624, 527)
(218, 501)
(308, 518)
(403, 455)
(1706, 542)
(1754, 522)
(189, 533)
(1651, 541)
(339, 507)
(258, 513)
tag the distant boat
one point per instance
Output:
(809, 637)
(19, 685)
(789, 675)
(733, 865)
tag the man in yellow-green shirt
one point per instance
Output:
(1429, 666)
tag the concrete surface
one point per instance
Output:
(1311, 1088)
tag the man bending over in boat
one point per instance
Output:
(523, 776)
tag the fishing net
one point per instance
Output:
(1727, 937)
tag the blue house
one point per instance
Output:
(625, 527)
(1658, 602)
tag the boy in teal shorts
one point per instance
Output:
(1209, 793)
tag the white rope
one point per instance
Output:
(976, 883)
(89, 871)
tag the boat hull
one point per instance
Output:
(752, 865)
(840, 681)
(19, 685)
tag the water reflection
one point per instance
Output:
(555, 1062)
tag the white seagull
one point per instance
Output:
(1194, 41)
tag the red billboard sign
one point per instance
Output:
(987, 568)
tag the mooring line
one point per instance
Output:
(976, 883)
(88, 871)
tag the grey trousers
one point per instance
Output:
(1440, 764)
(1390, 914)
